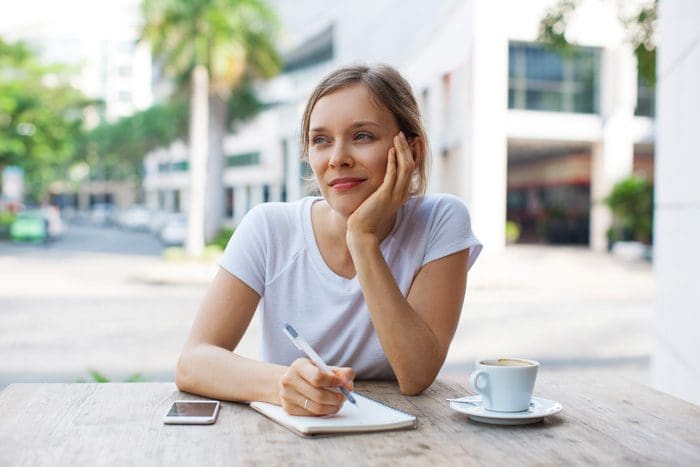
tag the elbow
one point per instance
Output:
(414, 388)
(183, 373)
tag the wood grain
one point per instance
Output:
(604, 421)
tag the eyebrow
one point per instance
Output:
(354, 125)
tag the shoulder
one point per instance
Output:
(274, 213)
(434, 207)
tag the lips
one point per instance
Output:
(345, 183)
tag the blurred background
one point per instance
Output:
(135, 135)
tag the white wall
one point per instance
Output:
(676, 360)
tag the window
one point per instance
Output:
(181, 166)
(315, 50)
(646, 100)
(285, 164)
(229, 202)
(247, 158)
(543, 79)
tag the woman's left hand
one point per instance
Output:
(391, 194)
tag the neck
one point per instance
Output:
(338, 226)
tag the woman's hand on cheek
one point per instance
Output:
(391, 194)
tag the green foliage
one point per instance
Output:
(553, 26)
(632, 204)
(640, 28)
(512, 231)
(6, 220)
(97, 377)
(222, 238)
(115, 151)
(231, 38)
(40, 116)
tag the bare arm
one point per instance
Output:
(209, 367)
(415, 332)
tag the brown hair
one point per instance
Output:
(392, 92)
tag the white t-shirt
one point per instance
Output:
(274, 251)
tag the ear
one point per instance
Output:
(417, 149)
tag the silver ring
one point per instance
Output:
(306, 402)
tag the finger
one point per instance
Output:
(405, 166)
(347, 375)
(314, 376)
(299, 404)
(390, 175)
(300, 397)
(312, 407)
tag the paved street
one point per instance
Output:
(105, 299)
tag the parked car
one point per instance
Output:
(174, 230)
(53, 221)
(157, 221)
(101, 214)
(136, 217)
(29, 226)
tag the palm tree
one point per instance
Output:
(209, 47)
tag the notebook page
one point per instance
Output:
(368, 415)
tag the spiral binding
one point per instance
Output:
(383, 404)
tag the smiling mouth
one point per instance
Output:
(343, 184)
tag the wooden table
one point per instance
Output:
(606, 421)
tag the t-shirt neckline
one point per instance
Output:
(315, 251)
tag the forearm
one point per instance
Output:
(215, 372)
(408, 342)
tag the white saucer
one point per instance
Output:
(539, 409)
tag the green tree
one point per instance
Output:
(640, 28)
(40, 117)
(632, 204)
(114, 151)
(209, 47)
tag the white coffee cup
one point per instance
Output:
(505, 384)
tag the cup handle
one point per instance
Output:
(474, 381)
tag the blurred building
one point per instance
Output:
(519, 132)
(112, 68)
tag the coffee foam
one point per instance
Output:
(506, 362)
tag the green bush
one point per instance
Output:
(97, 377)
(632, 205)
(222, 238)
(512, 231)
(6, 220)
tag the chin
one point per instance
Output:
(344, 205)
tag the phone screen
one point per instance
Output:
(192, 409)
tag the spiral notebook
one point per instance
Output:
(368, 416)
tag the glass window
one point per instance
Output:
(181, 166)
(238, 160)
(543, 79)
(646, 100)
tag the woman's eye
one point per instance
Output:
(363, 136)
(318, 140)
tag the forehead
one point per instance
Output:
(348, 104)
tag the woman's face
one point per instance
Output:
(349, 142)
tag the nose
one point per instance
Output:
(340, 155)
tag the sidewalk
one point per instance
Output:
(570, 308)
(61, 315)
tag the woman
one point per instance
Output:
(372, 274)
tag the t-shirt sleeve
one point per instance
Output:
(451, 231)
(245, 255)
